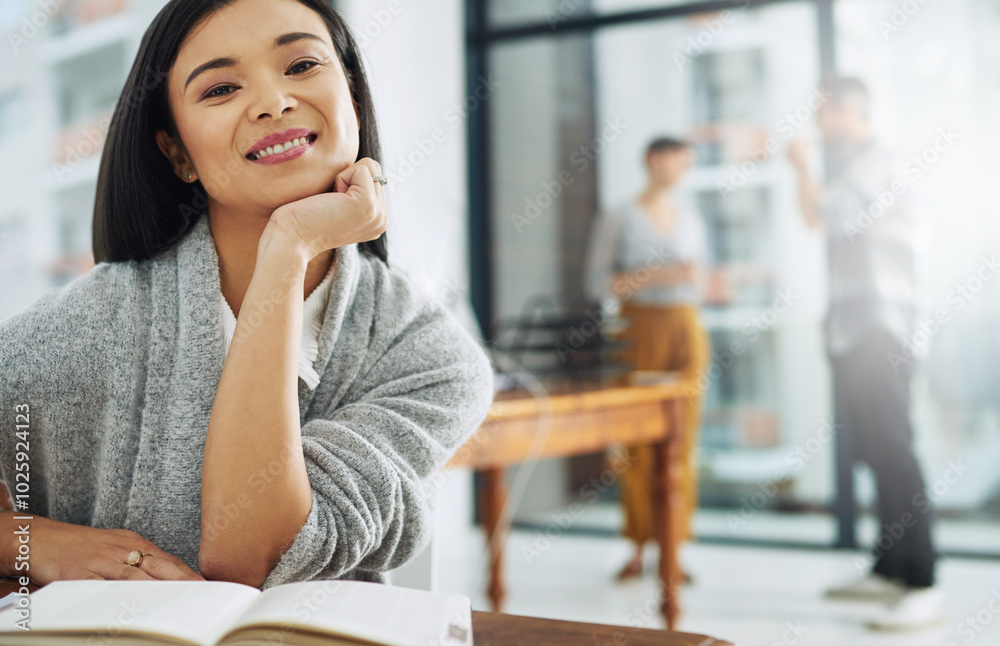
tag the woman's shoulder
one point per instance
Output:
(417, 345)
(611, 219)
(89, 305)
(403, 291)
(399, 302)
(405, 314)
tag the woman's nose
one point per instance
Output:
(272, 101)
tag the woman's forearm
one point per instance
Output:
(671, 274)
(255, 492)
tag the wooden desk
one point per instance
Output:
(521, 427)
(495, 629)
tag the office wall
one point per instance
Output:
(414, 56)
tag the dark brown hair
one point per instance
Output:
(663, 144)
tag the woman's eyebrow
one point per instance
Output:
(230, 61)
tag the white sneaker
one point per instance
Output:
(871, 587)
(916, 608)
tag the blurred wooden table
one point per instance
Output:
(521, 427)
(495, 629)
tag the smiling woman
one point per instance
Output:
(184, 397)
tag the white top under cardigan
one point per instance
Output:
(312, 323)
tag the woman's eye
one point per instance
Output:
(300, 63)
(212, 93)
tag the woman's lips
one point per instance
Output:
(291, 153)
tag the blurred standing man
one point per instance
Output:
(871, 236)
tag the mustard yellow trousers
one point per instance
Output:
(663, 338)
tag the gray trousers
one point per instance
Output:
(872, 406)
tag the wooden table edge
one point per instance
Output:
(605, 633)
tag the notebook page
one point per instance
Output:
(381, 613)
(198, 611)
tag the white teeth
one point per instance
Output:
(298, 141)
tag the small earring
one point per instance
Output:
(187, 174)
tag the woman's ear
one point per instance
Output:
(177, 155)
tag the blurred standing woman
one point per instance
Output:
(650, 255)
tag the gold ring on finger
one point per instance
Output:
(134, 558)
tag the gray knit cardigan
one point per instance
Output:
(119, 369)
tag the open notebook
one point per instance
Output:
(213, 613)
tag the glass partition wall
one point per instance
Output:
(582, 87)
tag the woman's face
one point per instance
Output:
(667, 167)
(224, 109)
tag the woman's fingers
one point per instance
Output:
(350, 176)
(65, 551)
(374, 169)
(343, 179)
(162, 565)
(121, 572)
(361, 177)
(166, 567)
(157, 564)
(355, 211)
(132, 573)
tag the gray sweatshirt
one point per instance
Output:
(119, 368)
